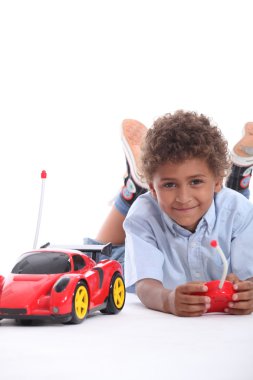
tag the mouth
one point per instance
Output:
(184, 209)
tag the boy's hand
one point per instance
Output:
(243, 298)
(232, 278)
(186, 304)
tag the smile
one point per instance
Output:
(184, 209)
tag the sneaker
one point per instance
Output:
(131, 190)
(242, 153)
(132, 134)
(239, 179)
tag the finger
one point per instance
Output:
(238, 311)
(185, 314)
(241, 305)
(243, 296)
(192, 288)
(243, 285)
(194, 300)
(192, 309)
(232, 278)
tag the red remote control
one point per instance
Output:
(219, 297)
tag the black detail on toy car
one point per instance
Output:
(12, 311)
(61, 284)
(42, 263)
(92, 250)
(78, 261)
(101, 276)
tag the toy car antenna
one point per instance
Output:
(95, 250)
(43, 178)
(215, 244)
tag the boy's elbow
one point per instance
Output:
(147, 290)
(145, 286)
(140, 288)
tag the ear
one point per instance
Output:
(218, 184)
(152, 190)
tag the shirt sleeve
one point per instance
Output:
(242, 247)
(142, 257)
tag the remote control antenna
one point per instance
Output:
(215, 244)
(43, 178)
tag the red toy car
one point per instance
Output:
(62, 284)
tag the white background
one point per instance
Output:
(70, 71)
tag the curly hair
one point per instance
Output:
(181, 136)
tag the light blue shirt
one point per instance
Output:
(158, 248)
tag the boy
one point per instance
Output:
(168, 231)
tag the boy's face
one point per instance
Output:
(185, 191)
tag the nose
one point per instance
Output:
(249, 127)
(183, 194)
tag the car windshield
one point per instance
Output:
(42, 263)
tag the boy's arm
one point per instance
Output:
(153, 295)
(181, 301)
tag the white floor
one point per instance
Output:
(136, 344)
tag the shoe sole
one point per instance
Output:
(132, 134)
(239, 156)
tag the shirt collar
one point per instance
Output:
(210, 216)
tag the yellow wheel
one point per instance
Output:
(80, 303)
(118, 292)
(117, 295)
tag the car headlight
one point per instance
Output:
(61, 284)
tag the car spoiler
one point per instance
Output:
(94, 249)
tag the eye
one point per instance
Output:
(196, 181)
(169, 185)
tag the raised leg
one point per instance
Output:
(132, 132)
(242, 158)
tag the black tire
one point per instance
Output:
(117, 295)
(80, 304)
